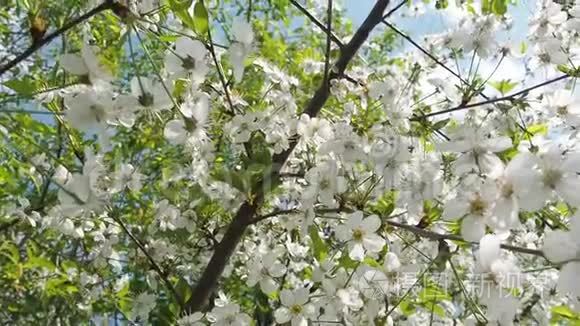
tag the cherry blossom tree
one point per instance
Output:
(259, 162)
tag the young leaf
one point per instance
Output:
(180, 9)
(200, 18)
(318, 245)
(499, 7)
(503, 86)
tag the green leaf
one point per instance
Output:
(569, 71)
(523, 47)
(169, 38)
(440, 124)
(407, 307)
(183, 289)
(200, 18)
(318, 246)
(181, 10)
(371, 262)
(125, 305)
(385, 205)
(25, 86)
(55, 286)
(433, 294)
(124, 291)
(180, 4)
(10, 250)
(539, 128)
(499, 7)
(486, 6)
(564, 312)
(441, 4)
(181, 85)
(503, 86)
(40, 262)
(345, 261)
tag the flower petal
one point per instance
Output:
(489, 250)
(559, 246)
(287, 298)
(454, 209)
(268, 285)
(568, 280)
(373, 242)
(282, 315)
(371, 223)
(357, 252)
(472, 228)
(175, 131)
(301, 296)
(74, 64)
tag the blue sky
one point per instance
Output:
(436, 21)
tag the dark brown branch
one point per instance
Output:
(108, 4)
(441, 236)
(223, 251)
(328, 41)
(317, 22)
(492, 100)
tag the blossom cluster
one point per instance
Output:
(408, 183)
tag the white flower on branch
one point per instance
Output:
(360, 234)
(241, 47)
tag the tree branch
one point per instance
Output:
(221, 75)
(465, 106)
(397, 7)
(329, 34)
(407, 227)
(108, 4)
(492, 100)
(422, 50)
(223, 251)
(155, 266)
(328, 41)
(441, 236)
(318, 23)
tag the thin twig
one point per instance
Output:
(155, 69)
(220, 71)
(397, 7)
(509, 97)
(108, 4)
(31, 112)
(154, 265)
(476, 310)
(425, 52)
(419, 278)
(317, 22)
(441, 236)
